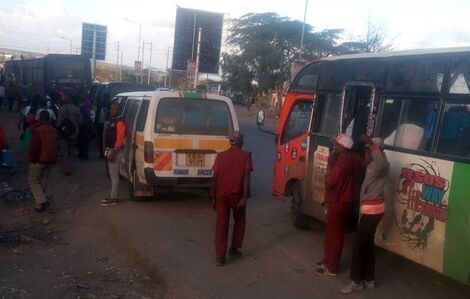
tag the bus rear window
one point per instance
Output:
(68, 69)
(193, 117)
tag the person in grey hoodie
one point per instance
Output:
(372, 210)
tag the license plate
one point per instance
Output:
(195, 159)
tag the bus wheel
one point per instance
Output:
(299, 220)
(138, 191)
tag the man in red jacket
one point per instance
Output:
(42, 155)
(230, 190)
(342, 189)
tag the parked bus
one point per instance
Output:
(63, 74)
(419, 102)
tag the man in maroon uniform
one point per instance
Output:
(230, 190)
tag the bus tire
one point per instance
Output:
(299, 220)
(133, 189)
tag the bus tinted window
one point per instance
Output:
(424, 75)
(298, 122)
(408, 123)
(144, 107)
(68, 69)
(307, 79)
(330, 119)
(454, 137)
(193, 117)
(459, 79)
(334, 75)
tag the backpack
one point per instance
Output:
(66, 128)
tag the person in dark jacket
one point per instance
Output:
(342, 189)
(42, 156)
(115, 132)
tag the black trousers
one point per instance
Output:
(363, 256)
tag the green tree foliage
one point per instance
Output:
(266, 44)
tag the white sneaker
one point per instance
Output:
(352, 287)
(369, 284)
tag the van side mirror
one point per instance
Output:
(260, 118)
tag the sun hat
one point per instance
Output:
(345, 141)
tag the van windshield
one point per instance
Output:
(193, 117)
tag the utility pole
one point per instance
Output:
(94, 54)
(303, 30)
(117, 63)
(120, 67)
(142, 65)
(150, 65)
(197, 57)
(166, 68)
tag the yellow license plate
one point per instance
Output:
(195, 159)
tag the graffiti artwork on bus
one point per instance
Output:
(422, 190)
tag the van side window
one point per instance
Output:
(298, 121)
(142, 117)
(454, 136)
(330, 115)
(408, 123)
(134, 106)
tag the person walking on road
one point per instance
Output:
(342, 188)
(230, 191)
(372, 210)
(114, 136)
(68, 122)
(42, 155)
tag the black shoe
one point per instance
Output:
(108, 202)
(44, 206)
(234, 252)
(68, 173)
(220, 261)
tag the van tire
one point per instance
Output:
(299, 220)
(132, 189)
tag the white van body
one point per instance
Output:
(173, 138)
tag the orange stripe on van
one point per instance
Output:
(139, 140)
(214, 144)
(173, 143)
(163, 161)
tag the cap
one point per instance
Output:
(345, 141)
(236, 137)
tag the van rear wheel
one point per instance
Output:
(299, 220)
(135, 187)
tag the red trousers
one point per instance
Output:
(337, 217)
(223, 207)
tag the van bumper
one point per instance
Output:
(172, 182)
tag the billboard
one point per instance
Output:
(185, 40)
(94, 33)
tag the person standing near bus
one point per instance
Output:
(42, 156)
(372, 210)
(68, 121)
(114, 136)
(342, 189)
(230, 191)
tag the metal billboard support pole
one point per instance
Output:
(142, 64)
(198, 57)
(94, 54)
(150, 65)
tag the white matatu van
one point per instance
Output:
(173, 139)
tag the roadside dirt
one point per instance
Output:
(59, 254)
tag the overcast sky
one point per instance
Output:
(40, 25)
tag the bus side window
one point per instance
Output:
(327, 115)
(298, 121)
(454, 137)
(142, 117)
(408, 123)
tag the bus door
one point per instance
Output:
(358, 111)
(292, 144)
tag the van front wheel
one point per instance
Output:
(299, 220)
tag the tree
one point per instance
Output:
(372, 42)
(265, 45)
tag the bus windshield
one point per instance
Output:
(193, 117)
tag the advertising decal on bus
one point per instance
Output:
(416, 226)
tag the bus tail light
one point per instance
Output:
(148, 152)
